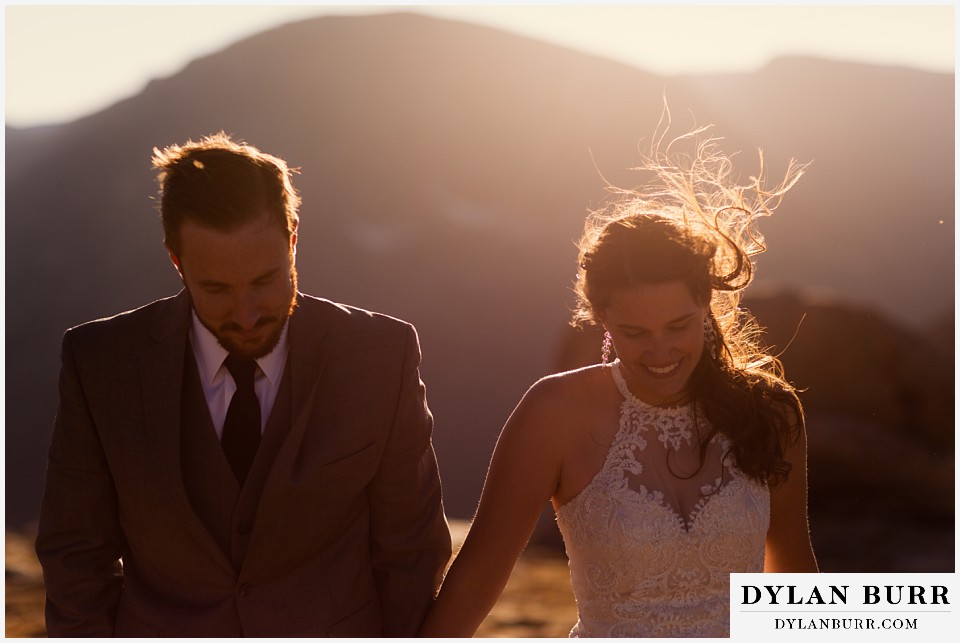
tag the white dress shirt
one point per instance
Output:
(218, 384)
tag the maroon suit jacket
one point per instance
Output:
(349, 537)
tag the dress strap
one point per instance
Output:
(622, 385)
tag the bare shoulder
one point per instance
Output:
(786, 405)
(545, 430)
(561, 403)
(567, 391)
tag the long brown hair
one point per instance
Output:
(694, 224)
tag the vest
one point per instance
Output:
(227, 510)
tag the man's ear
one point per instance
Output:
(175, 261)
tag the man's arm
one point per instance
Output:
(79, 541)
(410, 540)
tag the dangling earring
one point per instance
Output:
(605, 352)
(709, 337)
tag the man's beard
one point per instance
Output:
(271, 340)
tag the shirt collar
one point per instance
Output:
(210, 354)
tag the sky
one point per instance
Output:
(62, 62)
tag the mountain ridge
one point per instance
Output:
(446, 170)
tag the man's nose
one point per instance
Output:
(246, 311)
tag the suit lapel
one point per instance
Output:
(161, 381)
(307, 357)
(306, 360)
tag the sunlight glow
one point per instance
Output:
(62, 62)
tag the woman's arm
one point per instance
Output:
(788, 540)
(523, 476)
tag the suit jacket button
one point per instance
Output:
(244, 590)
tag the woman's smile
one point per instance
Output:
(657, 331)
(662, 371)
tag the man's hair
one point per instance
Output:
(222, 184)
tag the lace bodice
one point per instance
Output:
(650, 552)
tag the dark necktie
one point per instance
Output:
(241, 429)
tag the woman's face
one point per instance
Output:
(657, 330)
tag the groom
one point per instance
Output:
(240, 459)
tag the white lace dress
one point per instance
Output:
(650, 553)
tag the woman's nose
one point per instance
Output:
(658, 350)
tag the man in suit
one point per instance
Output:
(240, 459)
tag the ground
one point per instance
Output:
(537, 602)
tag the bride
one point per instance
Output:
(676, 463)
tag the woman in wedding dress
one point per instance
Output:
(676, 463)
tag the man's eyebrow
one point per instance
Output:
(211, 283)
(266, 275)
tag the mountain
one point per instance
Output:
(446, 169)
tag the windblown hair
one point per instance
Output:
(223, 184)
(694, 224)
